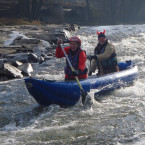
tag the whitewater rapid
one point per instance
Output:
(118, 118)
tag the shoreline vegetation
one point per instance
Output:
(18, 21)
(25, 21)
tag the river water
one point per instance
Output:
(118, 118)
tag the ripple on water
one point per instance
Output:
(117, 118)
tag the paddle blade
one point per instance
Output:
(83, 94)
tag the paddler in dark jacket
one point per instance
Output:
(104, 57)
(77, 57)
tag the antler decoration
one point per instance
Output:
(104, 32)
(100, 32)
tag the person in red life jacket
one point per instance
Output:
(104, 57)
(77, 57)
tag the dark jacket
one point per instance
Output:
(106, 58)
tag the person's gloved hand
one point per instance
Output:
(94, 57)
(90, 57)
(75, 73)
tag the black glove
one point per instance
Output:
(75, 73)
(94, 57)
(90, 57)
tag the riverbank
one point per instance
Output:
(22, 45)
(15, 21)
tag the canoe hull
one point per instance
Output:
(67, 94)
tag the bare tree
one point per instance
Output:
(24, 8)
(35, 11)
(29, 9)
(87, 10)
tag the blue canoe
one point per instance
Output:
(66, 94)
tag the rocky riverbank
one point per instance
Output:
(22, 46)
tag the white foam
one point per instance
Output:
(13, 36)
(45, 43)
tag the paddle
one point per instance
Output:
(90, 72)
(83, 94)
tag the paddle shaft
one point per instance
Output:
(72, 69)
(90, 66)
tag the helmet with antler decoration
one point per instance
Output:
(101, 34)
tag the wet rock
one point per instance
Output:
(30, 27)
(11, 49)
(41, 59)
(25, 41)
(26, 69)
(3, 78)
(10, 71)
(18, 38)
(58, 28)
(7, 51)
(50, 37)
(3, 60)
(15, 55)
(43, 55)
(54, 47)
(31, 34)
(28, 47)
(45, 28)
(22, 57)
(17, 63)
(32, 58)
(32, 39)
(45, 44)
(47, 56)
(74, 27)
(50, 54)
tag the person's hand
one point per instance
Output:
(89, 57)
(75, 73)
(94, 57)
(59, 41)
